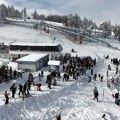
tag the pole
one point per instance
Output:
(119, 81)
(107, 78)
(103, 96)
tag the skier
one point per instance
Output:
(6, 94)
(95, 93)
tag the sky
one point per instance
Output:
(97, 10)
(72, 99)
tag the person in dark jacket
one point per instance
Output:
(15, 73)
(95, 92)
(20, 89)
(102, 78)
(103, 116)
(13, 89)
(25, 90)
(117, 95)
(95, 77)
(117, 99)
(39, 75)
(42, 73)
(58, 117)
(49, 81)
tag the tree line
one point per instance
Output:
(11, 12)
(68, 20)
(74, 21)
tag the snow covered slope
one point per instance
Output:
(73, 99)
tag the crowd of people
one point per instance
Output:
(114, 81)
(24, 88)
(72, 68)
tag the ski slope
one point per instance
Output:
(73, 99)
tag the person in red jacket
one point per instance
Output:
(6, 94)
(39, 86)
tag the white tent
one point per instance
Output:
(54, 65)
(54, 62)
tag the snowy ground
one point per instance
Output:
(73, 99)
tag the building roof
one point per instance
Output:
(31, 58)
(2, 64)
(53, 62)
(34, 44)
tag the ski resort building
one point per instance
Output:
(28, 48)
(32, 62)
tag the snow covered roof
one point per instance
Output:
(53, 62)
(2, 64)
(27, 52)
(31, 58)
(97, 30)
(34, 44)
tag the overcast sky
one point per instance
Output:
(97, 10)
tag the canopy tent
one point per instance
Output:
(54, 65)
(54, 62)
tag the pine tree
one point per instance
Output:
(24, 14)
(35, 15)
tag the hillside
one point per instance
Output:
(72, 99)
